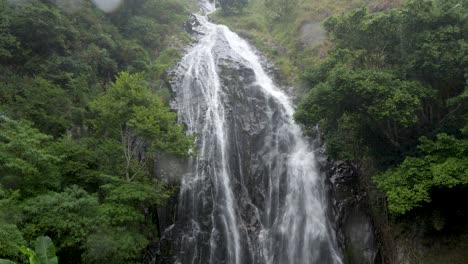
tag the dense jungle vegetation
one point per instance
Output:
(83, 117)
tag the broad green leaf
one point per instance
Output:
(30, 253)
(26, 251)
(45, 250)
(4, 261)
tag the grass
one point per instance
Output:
(253, 25)
(280, 40)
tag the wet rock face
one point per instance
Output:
(191, 24)
(253, 194)
(246, 121)
(350, 214)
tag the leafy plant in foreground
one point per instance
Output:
(43, 253)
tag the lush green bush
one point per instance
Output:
(232, 6)
(43, 253)
(442, 163)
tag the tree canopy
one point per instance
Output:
(394, 88)
(82, 124)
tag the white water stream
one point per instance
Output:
(287, 222)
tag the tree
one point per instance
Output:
(68, 217)
(442, 163)
(131, 114)
(43, 29)
(24, 162)
(10, 235)
(391, 78)
(70, 169)
(8, 42)
(377, 101)
(423, 41)
(146, 31)
(79, 164)
(45, 104)
(418, 49)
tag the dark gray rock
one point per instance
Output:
(350, 213)
(191, 24)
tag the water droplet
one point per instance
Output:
(107, 6)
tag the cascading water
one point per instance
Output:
(254, 194)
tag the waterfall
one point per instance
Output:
(254, 193)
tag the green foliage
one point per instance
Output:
(424, 41)
(24, 162)
(10, 235)
(8, 42)
(129, 105)
(78, 164)
(67, 216)
(77, 140)
(115, 107)
(232, 6)
(280, 29)
(30, 253)
(115, 246)
(136, 119)
(77, 220)
(4, 261)
(378, 101)
(10, 238)
(368, 73)
(158, 125)
(166, 59)
(40, 101)
(146, 31)
(42, 29)
(281, 9)
(44, 252)
(393, 77)
(442, 163)
(120, 236)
